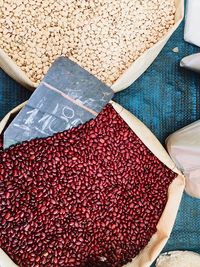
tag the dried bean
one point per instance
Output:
(105, 37)
(100, 211)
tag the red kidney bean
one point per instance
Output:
(90, 196)
(1, 142)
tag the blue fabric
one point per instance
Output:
(165, 98)
(11, 94)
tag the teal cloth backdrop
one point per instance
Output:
(165, 98)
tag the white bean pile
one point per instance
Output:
(103, 36)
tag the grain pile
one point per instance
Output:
(105, 37)
(90, 196)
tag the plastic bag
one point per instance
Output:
(175, 191)
(126, 79)
(184, 148)
(191, 62)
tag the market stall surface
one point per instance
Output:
(165, 98)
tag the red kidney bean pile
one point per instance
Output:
(89, 196)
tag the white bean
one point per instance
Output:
(105, 37)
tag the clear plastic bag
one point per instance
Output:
(184, 148)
